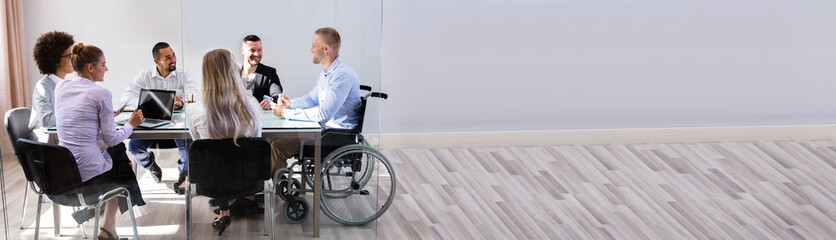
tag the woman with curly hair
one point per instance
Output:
(53, 54)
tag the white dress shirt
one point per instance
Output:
(43, 106)
(199, 128)
(177, 80)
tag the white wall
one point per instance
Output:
(286, 29)
(496, 65)
(125, 30)
(571, 64)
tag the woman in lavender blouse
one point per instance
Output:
(84, 115)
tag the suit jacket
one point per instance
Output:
(265, 82)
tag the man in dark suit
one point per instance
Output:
(261, 79)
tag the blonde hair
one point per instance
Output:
(84, 54)
(227, 114)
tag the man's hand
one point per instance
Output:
(265, 104)
(177, 102)
(278, 110)
(284, 101)
(136, 118)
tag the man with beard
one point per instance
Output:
(261, 79)
(164, 76)
(334, 101)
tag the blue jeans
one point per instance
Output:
(139, 149)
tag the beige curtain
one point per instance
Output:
(14, 87)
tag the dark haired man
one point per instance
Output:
(261, 79)
(165, 76)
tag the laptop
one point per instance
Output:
(157, 107)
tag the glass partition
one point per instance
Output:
(127, 32)
(286, 30)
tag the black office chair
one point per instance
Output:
(17, 127)
(355, 176)
(220, 169)
(54, 171)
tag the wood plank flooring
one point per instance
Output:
(748, 190)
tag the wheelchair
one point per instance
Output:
(358, 182)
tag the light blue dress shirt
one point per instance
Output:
(334, 101)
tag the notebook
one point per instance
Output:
(157, 107)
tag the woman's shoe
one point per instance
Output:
(109, 235)
(182, 178)
(221, 224)
(179, 190)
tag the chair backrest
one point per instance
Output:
(227, 167)
(17, 125)
(51, 167)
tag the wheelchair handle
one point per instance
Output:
(380, 95)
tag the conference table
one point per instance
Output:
(271, 127)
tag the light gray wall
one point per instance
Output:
(571, 64)
(125, 30)
(286, 29)
(500, 65)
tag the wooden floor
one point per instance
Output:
(755, 190)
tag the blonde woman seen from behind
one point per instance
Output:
(225, 111)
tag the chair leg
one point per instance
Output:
(83, 232)
(188, 211)
(96, 222)
(133, 219)
(38, 217)
(23, 213)
(81, 225)
(267, 195)
(3, 189)
(272, 215)
(56, 219)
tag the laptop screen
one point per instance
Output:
(156, 104)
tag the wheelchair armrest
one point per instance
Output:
(339, 131)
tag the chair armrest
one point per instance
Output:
(116, 192)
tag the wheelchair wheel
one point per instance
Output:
(358, 185)
(284, 189)
(346, 171)
(296, 210)
(308, 166)
(338, 163)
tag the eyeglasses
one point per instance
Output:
(67, 56)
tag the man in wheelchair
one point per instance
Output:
(333, 102)
(354, 174)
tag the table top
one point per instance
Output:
(269, 123)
